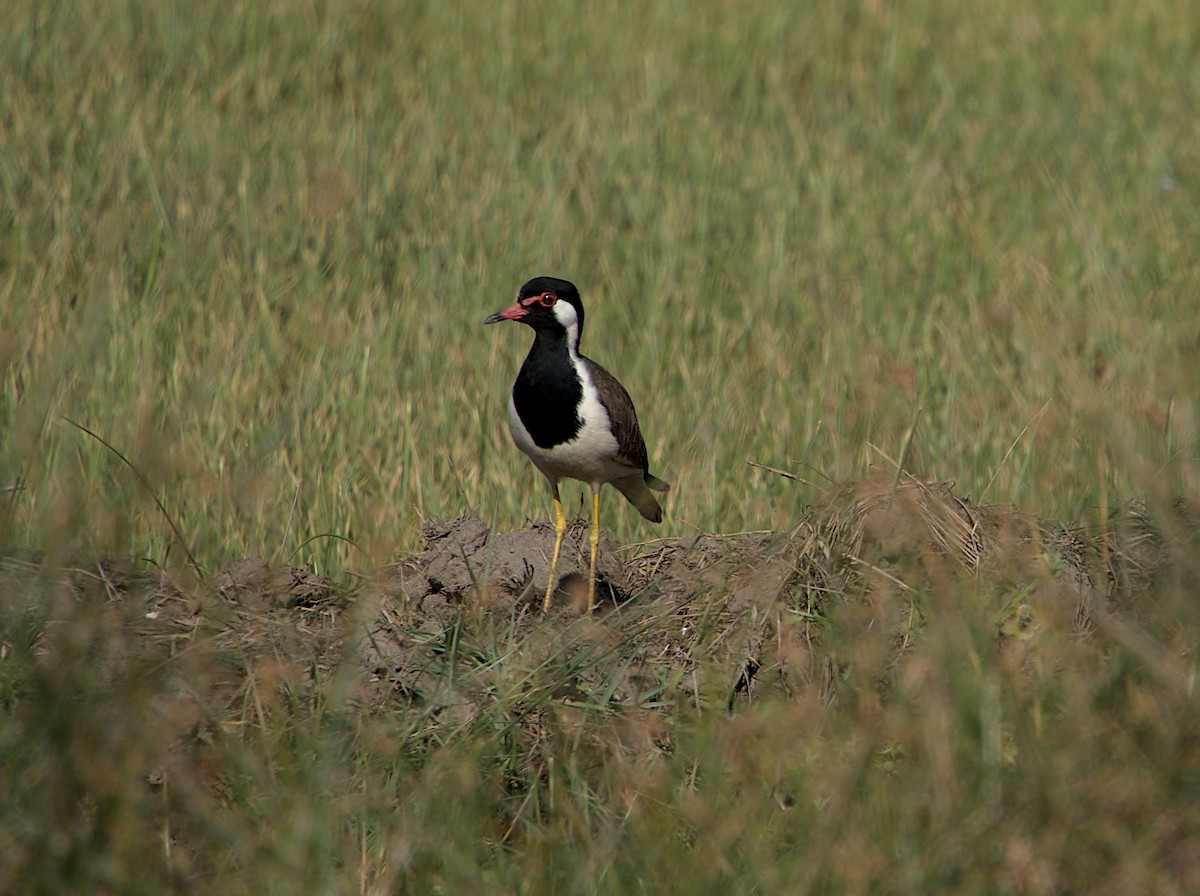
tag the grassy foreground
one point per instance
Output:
(250, 246)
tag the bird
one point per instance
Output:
(572, 417)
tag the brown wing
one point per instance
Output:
(621, 415)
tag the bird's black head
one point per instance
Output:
(546, 304)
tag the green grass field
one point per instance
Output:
(251, 247)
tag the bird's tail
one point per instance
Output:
(657, 484)
(637, 490)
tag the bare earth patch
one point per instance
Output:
(706, 619)
(450, 642)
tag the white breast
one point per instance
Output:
(590, 457)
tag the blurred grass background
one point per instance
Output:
(251, 246)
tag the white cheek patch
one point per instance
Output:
(565, 313)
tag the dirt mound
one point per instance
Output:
(719, 616)
(707, 620)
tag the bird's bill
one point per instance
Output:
(516, 312)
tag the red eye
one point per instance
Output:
(548, 299)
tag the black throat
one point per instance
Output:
(548, 391)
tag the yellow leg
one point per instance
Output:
(560, 526)
(595, 542)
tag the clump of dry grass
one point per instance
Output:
(899, 647)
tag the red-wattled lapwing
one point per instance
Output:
(572, 417)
